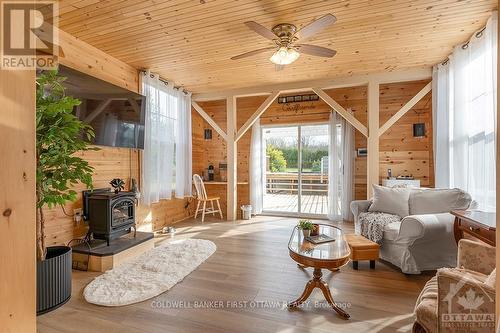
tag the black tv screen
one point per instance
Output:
(116, 114)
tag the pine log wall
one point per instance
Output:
(108, 162)
(399, 150)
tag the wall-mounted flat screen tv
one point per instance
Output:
(115, 113)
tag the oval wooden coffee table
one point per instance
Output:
(331, 256)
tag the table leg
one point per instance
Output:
(328, 296)
(305, 295)
(317, 282)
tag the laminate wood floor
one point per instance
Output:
(242, 287)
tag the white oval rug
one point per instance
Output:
(150, 274)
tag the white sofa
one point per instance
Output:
(423, 240)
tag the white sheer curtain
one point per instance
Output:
(183, 146)
(347, 160)
(465, 113)
(441, 124)
(340, 168)
(159, 139)
(257, 157)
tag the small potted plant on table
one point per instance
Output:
(306, 226)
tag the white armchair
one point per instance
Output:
(419, 241)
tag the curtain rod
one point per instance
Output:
(477, 34)
(166, 82)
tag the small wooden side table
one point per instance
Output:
(479, 224)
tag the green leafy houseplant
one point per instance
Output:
(59, 135)
(305, 225)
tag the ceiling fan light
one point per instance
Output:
(284, 56)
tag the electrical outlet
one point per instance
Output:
(77, 215)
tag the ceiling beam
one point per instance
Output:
(209, 119)
(338, 82)
(340, 110)
(261, 109)
(407, 107)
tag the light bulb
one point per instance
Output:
(284, 56)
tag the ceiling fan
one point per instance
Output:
(286, 36)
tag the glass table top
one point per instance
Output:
(333, 250)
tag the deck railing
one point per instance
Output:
(288, 183)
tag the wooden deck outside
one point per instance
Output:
(311, 204)
(282, 193)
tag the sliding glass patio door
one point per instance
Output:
(296, 170)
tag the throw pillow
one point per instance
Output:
(434, 201)
(491, 279)
(390, 200)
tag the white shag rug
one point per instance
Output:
(150, 274)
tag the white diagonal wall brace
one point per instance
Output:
(209, 120)
(340, 110)
(262, 108)
(407, 107)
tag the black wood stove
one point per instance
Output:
(110, 215)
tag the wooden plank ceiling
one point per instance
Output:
(191, 42)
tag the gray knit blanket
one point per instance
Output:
(373, 223)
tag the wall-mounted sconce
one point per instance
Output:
(208, 134)
(419, 130)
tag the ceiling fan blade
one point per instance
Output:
(314, 50)
(278, 68)
(254, 52)
(316, 26)
(261, 30)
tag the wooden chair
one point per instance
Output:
(201, 195)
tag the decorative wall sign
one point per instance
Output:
(297, 107)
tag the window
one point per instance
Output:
(167, 146)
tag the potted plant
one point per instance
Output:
(59, 135)
(306, 226)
